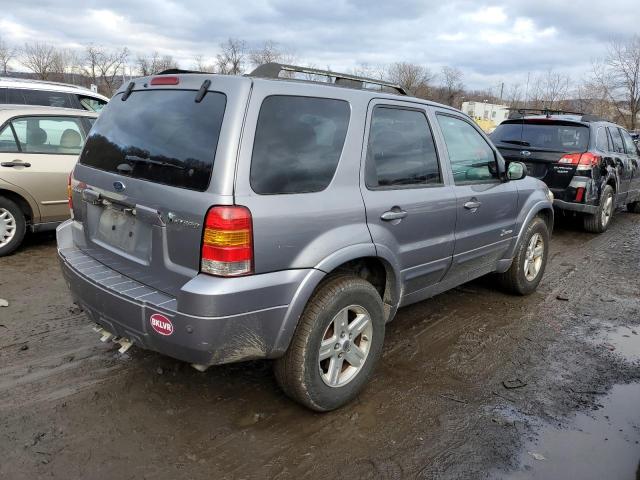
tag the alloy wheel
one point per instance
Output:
(7, 226)
(345, 346)
(533, 257)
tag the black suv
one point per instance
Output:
(590, 165)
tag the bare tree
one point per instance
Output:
(201, 65)
(65, 64)
(415, 78)
(452, 85)
(270, 52)
(619, 77)
(155, 63)
(232, 58)
(555, 88)
(109, 65)
(514, 95)
(7, 53)
(40, 58)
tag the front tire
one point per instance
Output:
(528, 264)
(12, 226)
(600, 221)
(336, 345)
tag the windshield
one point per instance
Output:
(162, 136)
(553, 136)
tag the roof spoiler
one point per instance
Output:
(273, 70)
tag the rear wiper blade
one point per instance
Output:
(162, 163)
(517, 142)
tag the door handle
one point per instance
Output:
(472, 205)
(393, 215)
(15, 163)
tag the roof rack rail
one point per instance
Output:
(516, 113)
(272, 70)
(176, 71)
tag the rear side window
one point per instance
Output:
(618, 146)
(7, 140)
(298, 143)
(161, 136)
(54, 135)
(401, 150)
(40, 97)
(602, 140)
(628, 143)
(472, 159)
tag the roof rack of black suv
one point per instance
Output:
(517, 113)
(273, 70)
(523, 112)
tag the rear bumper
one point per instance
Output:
(124, 307)
(575, 207)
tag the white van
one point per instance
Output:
(20, 91)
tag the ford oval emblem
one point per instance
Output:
(119, 186)
(525, 153)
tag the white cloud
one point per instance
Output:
(489, 15)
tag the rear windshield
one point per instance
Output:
(561, 137)
(162, 136)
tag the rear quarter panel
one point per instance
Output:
(301, 230)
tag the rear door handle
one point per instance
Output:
(393, 215)
(472, 205)
(15, 163)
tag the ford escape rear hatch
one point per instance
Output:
(140, 202)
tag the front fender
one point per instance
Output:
(532, 207)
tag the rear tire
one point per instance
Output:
(12, 226)
(633, 207)
(600, 221)
(344, 323)
(529, 262)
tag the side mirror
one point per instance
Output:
(516, 171)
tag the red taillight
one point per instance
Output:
(579, 194)
(227, 242)
(164, 80)
(586, 159)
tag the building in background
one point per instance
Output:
(487, 115)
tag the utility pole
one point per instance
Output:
(501, 91)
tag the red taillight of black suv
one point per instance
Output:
(227, 242)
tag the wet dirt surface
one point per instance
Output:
(472, 384)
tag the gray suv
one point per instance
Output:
(218, 219)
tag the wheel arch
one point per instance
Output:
(31, 214)
(361, 260)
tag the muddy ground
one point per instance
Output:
(438, 407)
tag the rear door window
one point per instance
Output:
(401, 150)
(298, 143)
(55, 135)
(161, 136)
(472, 159)
(618, 146)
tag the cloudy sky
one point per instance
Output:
(490, 42)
